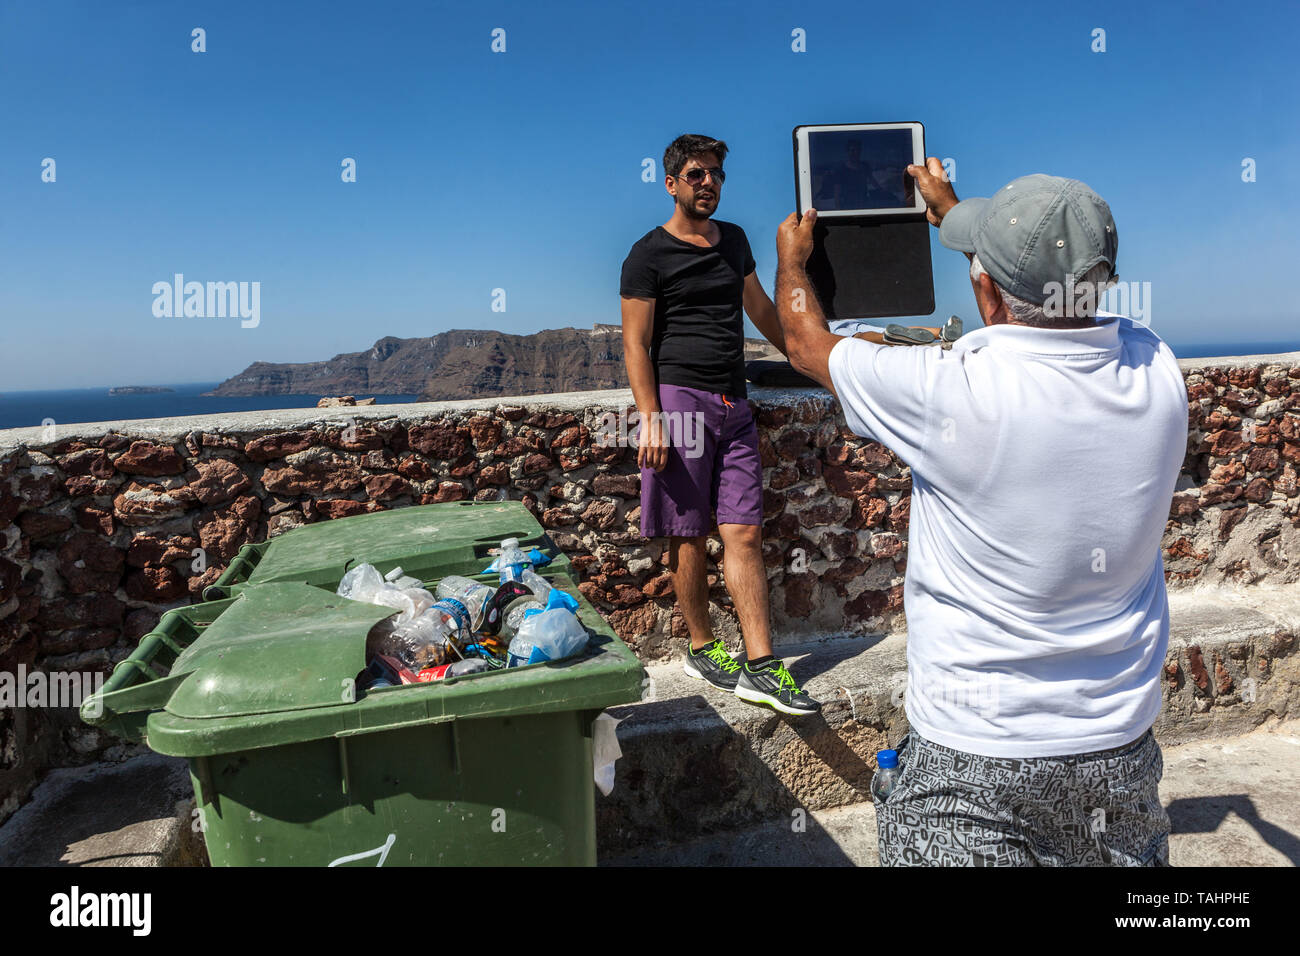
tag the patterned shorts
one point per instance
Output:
(950, 808)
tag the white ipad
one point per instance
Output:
(858, 169)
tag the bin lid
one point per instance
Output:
(278, 647)
(271, 670)
(387, 537)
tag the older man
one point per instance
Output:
(1044, 450)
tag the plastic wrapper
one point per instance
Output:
(364, 583)
(605, 750)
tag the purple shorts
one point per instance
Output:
(713, 466)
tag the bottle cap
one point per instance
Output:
(887, 759)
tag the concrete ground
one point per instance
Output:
(1231, 802)
(135, 813)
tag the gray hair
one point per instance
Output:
(1056, 311)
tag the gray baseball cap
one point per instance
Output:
(1037, 230)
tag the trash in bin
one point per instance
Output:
(467, 623)
(458, 669)
(549, 635)
(364, 583)
(472, 596)
(512, 561)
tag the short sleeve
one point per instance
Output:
(883, 390)
(640, 280)
(750, 264)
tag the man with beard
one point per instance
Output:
(683, 287)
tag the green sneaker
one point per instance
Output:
(713, 665)
(771, 684)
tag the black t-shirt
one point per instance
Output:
(699, 323)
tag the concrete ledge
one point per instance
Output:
(287, 419)
(135, 813)
(1239, 361)
(1230, 802)
(699, 761)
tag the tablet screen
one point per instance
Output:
(859, 170)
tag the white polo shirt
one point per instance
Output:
(1043, 464)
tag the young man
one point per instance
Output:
(1044, 450)
(683, 287)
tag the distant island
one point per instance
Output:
(462, 363)
(139, 390)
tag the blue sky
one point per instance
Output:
(522, 170)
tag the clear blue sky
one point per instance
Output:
(522, 170)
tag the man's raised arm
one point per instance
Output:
(808, 339)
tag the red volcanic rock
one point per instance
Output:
(270, 447)
(146, 458)
(223, 530)
(441, 442)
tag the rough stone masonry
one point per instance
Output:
(104, 527)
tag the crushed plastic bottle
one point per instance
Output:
(472, 595)
(535, 583)
(426, 641)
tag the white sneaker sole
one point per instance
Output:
(758, 697)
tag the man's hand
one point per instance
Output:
(935, 188)
(794, 238)
(652, 443)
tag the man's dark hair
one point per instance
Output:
(687, 146)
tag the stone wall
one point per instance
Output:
(103, 527)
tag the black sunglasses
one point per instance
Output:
(695, 177)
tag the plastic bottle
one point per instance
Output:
(512, 560)
(886, 776)
(398, 579)
(471, 594)
(427, 640)
(535, 583)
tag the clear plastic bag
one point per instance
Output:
(550, 635)
(364, 583)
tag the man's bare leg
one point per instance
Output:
(687, 562)
(746, 579)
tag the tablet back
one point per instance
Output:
(872, 268)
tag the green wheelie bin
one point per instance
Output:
(294, 765)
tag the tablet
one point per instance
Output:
(858, 169)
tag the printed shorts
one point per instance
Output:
(713, 466)
(951, 808)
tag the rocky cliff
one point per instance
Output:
(462, 363)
